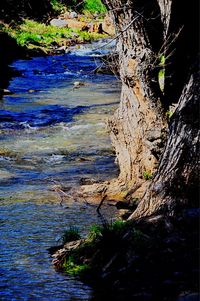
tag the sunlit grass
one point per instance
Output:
(34, 34)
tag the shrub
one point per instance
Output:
(94, 6)
(57, 6)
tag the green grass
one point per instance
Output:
(100, 245)
(72, 268)
(116, 227)
(32, 34)
(94, 6)
(70, 235)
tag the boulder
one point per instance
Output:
(69, 15)
(73, 15)
(108, 25)
(59, 23)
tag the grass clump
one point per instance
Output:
(70, 235)
(101, 245)
(114, 229)
(72, 268)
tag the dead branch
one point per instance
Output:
(104, 196)
(119, 34)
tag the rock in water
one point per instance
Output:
(7, 92)
(78, 84)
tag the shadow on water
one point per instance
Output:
(9, 50)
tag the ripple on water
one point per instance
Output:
(50, 133)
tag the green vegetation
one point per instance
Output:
(169, 114)
(94, 6)
(101, 243)
(70, 235)
(72, 268)
(161, 73)
(57, 6)
(85, 6)
(147, 175)
(32, 34)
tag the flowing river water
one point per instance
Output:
(51, 133)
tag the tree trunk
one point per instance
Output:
(155, 37)
(175, 185)
(137, 126)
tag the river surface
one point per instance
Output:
(51, 133)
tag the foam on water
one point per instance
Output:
(50, 133)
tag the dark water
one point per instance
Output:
(51, 134)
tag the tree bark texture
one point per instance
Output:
(138, 126)
(156, 35)
(175, 185)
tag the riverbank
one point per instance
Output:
(54, 38)
(50, 34)
(146, 260)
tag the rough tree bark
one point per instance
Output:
(156, 35)
(175, 186)
(137, 127)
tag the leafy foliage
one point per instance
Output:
(57, 6)
(91, 6)
(94, 6)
